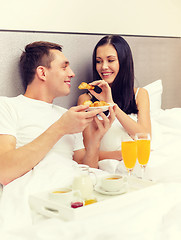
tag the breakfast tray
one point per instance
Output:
(42, 204)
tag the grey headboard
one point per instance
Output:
(154, 58)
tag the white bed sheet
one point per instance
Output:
(153, 214)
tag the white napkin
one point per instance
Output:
(109, 165)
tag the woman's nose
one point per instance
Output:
(104, 65)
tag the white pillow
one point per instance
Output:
(155, 90)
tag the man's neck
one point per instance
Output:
(37, 94)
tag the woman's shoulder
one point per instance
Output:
(141, 95)
(140, 92)
(82, 98)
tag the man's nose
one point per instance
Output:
(71, 73)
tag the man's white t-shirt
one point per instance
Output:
(26, 119)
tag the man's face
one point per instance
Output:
(58, 76)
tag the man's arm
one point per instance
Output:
(16, 162)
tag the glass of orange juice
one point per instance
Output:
(143, 150)
(129, 153)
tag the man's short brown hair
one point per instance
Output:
(36, 54)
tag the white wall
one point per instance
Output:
(134, 17)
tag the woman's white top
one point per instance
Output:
(111, 141)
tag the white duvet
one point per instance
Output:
(153, 213)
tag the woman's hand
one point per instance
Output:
(97, 128)
(106, 94)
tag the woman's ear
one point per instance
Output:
(40, 71)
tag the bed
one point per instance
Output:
(149, 213)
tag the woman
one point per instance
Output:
(113, 64)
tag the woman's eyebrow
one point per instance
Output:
(111, 56)
(107, 56)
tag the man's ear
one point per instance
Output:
(40, 71)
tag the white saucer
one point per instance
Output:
(104, 108)
(98, 189)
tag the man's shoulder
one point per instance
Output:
(5, 99)
(9, 105)
(59, 108)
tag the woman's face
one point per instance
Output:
(107, 63)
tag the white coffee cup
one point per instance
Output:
(112, 182)
(63, 195)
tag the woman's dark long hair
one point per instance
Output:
(123, 85)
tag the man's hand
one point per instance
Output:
(76, 119)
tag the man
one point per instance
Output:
(32, 126)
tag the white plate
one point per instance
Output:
(98, 188)
(104, 108)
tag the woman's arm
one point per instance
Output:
(102, 154)
(143, 123)
(110, 155)
(132, 127)
(92, 137)
(82, 98)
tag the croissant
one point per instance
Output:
(96, 103)
(85, 85)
